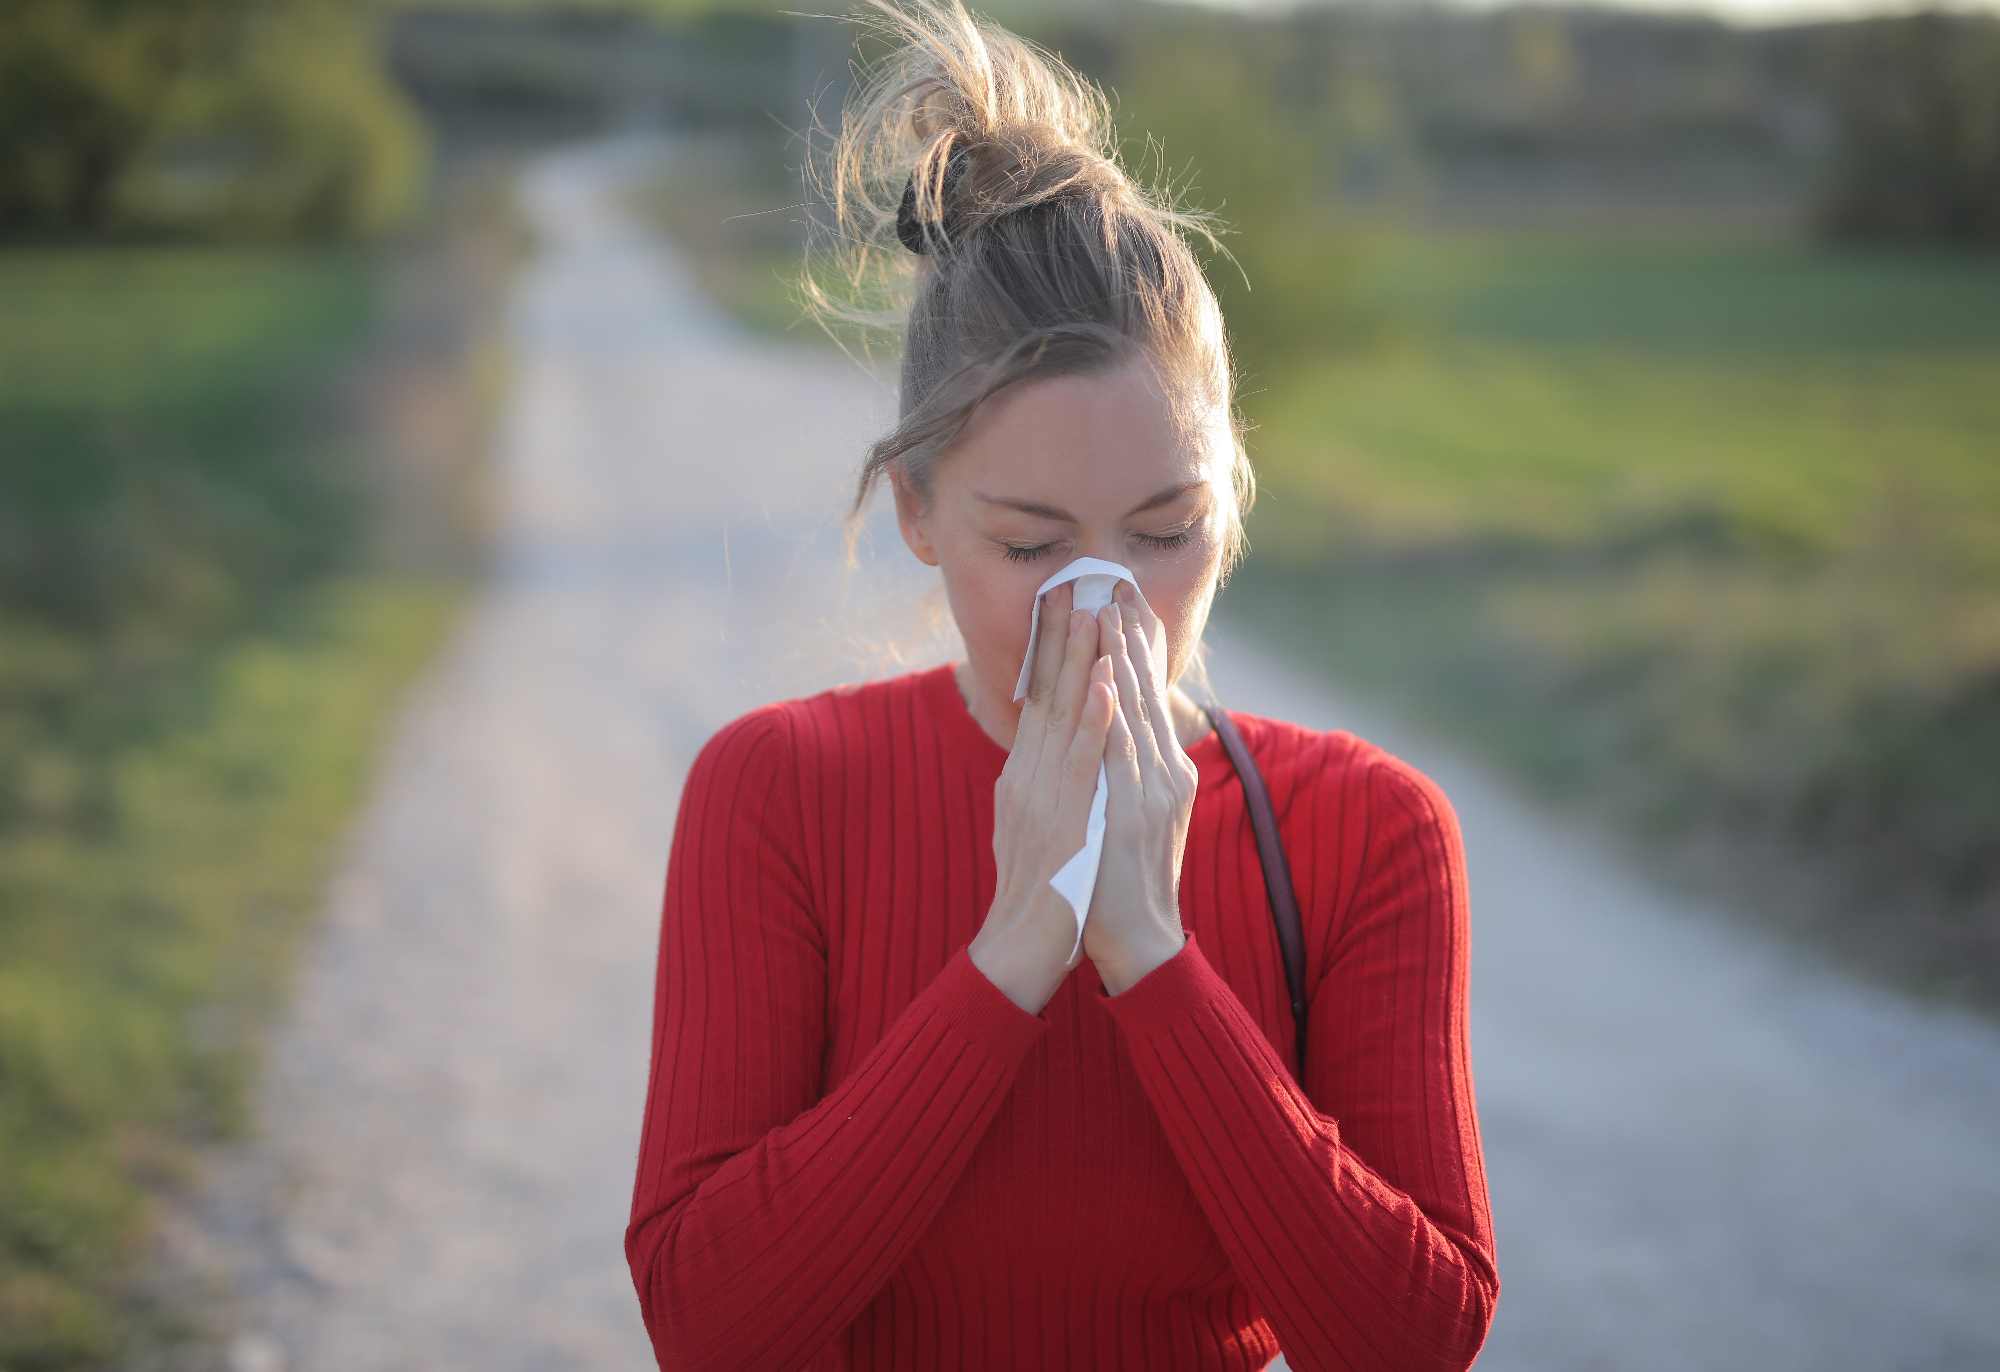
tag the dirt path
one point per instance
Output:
(1701, 1153)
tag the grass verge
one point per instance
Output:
(208, 633)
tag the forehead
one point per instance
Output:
(1109, 433)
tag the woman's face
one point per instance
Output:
(1063, 467)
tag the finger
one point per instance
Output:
(1131, 692)
(1086, 750)
(1064, 707)
(1146, 641)
(1123, 782)
(1052, 633)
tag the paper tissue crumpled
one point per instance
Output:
(1095, 580)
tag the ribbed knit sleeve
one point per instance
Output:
(1355, 1212)
(765, 1214)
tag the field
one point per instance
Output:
(1705, 534)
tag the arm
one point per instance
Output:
(1356, 1215)
(765, 1215)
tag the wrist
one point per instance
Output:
(1121, 974)
(1018, 964)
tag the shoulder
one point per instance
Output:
(1296, 756)
(1410, 836)
(1340, 773)
(1386, 779)
(754, 746)
(805, 734)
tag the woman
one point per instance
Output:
(897, 1117)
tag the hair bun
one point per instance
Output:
(1037, 254)
(924, 236)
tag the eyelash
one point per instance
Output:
(1020, 554)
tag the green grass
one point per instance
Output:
(1794, 457)
(150, 395)
(1705, 534)
(201, 654)
(1705, 298)
(175, 326)
(140, 948)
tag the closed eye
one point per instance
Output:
(1018, 553)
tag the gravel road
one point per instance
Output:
(1703, 1150)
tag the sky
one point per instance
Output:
(1742, 11)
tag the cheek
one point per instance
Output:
(992, 606)
(1180, 601)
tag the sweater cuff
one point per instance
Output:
(980, 1012)
(1168, 994)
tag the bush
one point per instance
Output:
(1917, 107)
(218, 117)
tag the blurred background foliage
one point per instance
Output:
(1624, 404)
(249, 358)
(211, 117)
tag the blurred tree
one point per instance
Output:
(83, 86)
(1234, 119)
(103, 102)
(1916, 103)
(1541, 58)
(328, 147)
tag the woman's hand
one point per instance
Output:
(1135, 915)
(1041, 806)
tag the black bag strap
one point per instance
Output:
(1277, 873)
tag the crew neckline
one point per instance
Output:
(940, 683)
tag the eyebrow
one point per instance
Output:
(1035, 507)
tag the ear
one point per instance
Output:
(912, 517)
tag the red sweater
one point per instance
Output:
(857, 1152)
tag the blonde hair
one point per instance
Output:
(1048, 258)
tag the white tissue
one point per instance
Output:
(1095, 580)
